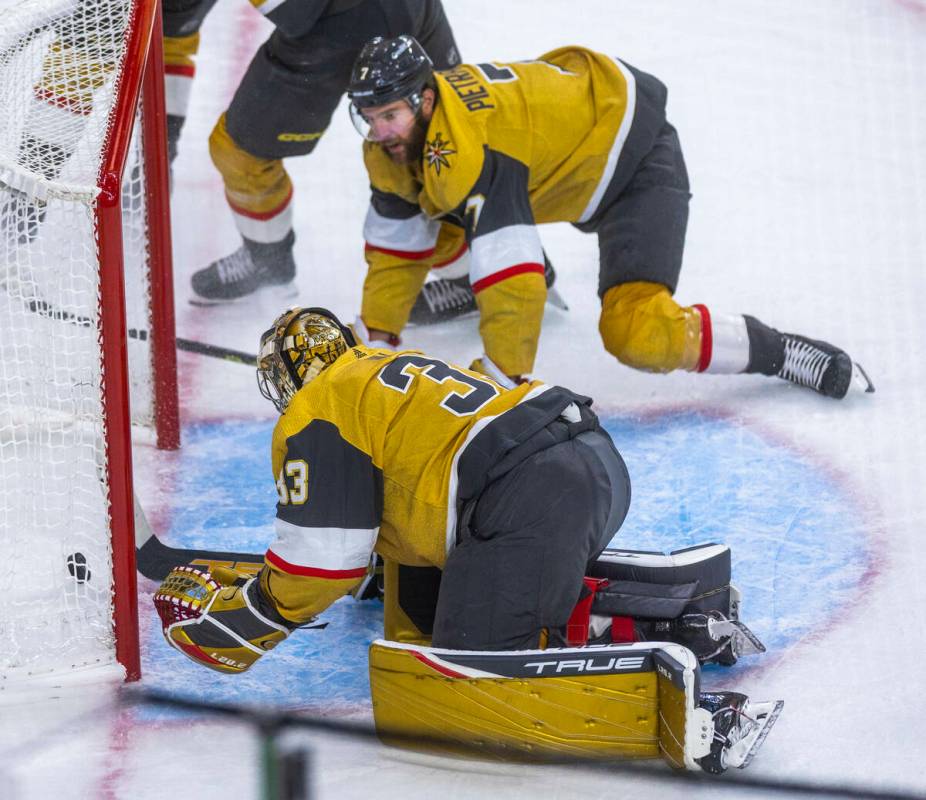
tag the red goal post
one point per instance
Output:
(87, 338)
(142, 80)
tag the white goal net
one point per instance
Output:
(65, 72)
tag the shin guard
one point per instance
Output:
(627, 701)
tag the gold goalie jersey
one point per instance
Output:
(508, 146)
(380, 451)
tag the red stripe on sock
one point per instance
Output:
(313, 572)
(262, 215)
(707, 338)
(504, 274)
(411, 255)
(183, 70)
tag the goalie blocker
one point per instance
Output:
(627, 701)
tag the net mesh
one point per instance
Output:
(59, 78)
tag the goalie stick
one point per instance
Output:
(45, 309)
(155, 559)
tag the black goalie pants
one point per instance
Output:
(518, 569)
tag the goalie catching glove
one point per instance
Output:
(219, 619)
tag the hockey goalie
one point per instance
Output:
(509, 625)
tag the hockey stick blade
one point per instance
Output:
(764, 715)
(154, 559)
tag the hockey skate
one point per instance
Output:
(712, 637)
(821, 366)
(448, 298)
(740, 728)
(252, 267)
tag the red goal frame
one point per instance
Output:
(142, 78)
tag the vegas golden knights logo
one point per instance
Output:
(436, 152)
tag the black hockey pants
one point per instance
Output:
(518, 566)
(296, 80)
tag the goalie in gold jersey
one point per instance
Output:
(509, 494)
(490, 506)
(574, 136)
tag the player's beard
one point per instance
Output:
(409, 148)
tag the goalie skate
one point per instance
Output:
(740, 728)
(713, 637)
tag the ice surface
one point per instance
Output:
(804, 129)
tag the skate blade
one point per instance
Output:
(281, 294)
(555, 299)
(762, 716)
(860, 378)
(745, 642)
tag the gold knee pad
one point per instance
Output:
(643, 327)
(252, 184)
(179, 50)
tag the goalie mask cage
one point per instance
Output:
(86, 322)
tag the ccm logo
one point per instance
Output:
(588, 665)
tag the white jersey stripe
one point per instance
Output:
(504, 248)
(416, 234)
(616, 148)
(451, 531)
(332, 549)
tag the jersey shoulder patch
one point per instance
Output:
(453, 152)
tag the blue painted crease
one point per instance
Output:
(799, 552)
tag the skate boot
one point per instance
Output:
(740, 727)
(817, 365)
(449, 298)
(806, 362)
(251, 267)
(712, 637)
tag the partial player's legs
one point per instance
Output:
(641, 240)
(517, 572)
(182, 21)
(281, 109)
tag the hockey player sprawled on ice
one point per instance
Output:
(492, 508)
(575, 136)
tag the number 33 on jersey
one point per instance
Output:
(368, 454)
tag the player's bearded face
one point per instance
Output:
(399, 131)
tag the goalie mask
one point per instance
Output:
(295, 349)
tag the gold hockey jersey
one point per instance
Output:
(509, 145)
(381, 450)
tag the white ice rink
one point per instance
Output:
(803, 124)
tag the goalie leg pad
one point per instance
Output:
(684, 597)
(630, 701)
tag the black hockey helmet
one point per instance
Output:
(388, 70)
(300, 344)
